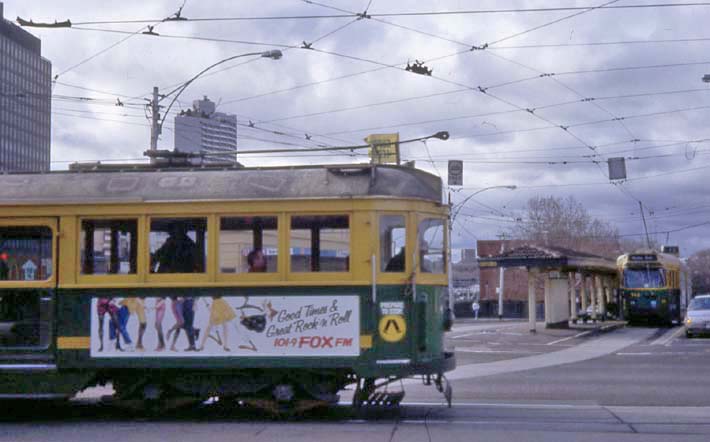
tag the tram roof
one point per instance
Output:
(204, 184)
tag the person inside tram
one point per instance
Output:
(424, 263)
(178, 254)
(396, 263)
(256, 261)
(4, 268)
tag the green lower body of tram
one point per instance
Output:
(353, 337)
(660, 306)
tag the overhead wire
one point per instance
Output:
(398, 14)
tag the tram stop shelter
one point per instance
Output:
(561, 271)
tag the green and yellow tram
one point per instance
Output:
(653, 286)
(278, 286)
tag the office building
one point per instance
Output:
(203, 130)
(25, 101)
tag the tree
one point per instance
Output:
(554, 221)
(699, 266)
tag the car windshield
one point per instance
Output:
(699, 304)
(644, 278)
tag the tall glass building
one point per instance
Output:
(25, 101)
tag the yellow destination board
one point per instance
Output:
(384, 148)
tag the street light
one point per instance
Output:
(452, 218)
(462, 203)
(157, 123)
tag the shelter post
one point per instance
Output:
(532, 279)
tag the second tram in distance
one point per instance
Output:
(655, 286)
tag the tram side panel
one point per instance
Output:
(309, 327)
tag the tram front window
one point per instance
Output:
(432, 256)
(178, 245)
(393, 236)
(320, 243)
(248, 244)
(644, 278)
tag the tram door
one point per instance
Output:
(28, 250)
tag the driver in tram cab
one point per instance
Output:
(424, 264)
(396, 263)
(178, 254)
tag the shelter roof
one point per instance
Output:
(550, 258)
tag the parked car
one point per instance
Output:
(697, 318)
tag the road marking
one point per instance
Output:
(487, 326)
(642, 353)
(464, 336)
(501, 405)
(578, 335)
(521, 352)
(607, 344)
(668, 336)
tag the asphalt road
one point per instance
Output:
(561, 385)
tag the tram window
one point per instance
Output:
(431, 246)
(320, 243)
(644, 278)
(109, 246)
(393, 236)
(178, 245)
(25, 253)
(248, 244)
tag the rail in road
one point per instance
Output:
(411, 422)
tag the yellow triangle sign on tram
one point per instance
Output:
(392, 328)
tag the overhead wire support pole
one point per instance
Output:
(645, 227)
(155, 126)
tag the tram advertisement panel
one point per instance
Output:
(223, 326)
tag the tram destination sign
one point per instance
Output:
(225, 326)
(647, 257)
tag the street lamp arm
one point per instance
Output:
(274, 54)
(462, 203)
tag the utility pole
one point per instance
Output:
(501, 282)
(155, 128)
(645, 228)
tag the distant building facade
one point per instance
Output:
(515, 285)
(25, 101)
(203, 130)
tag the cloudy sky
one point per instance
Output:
(550, 96)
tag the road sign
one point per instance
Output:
(617, 168)
(384, 148)
(392, 328)
(455, 173)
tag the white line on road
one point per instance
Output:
(519, 352)
(668, 336)
(641, 353)
(602, 346)
(578, 335)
